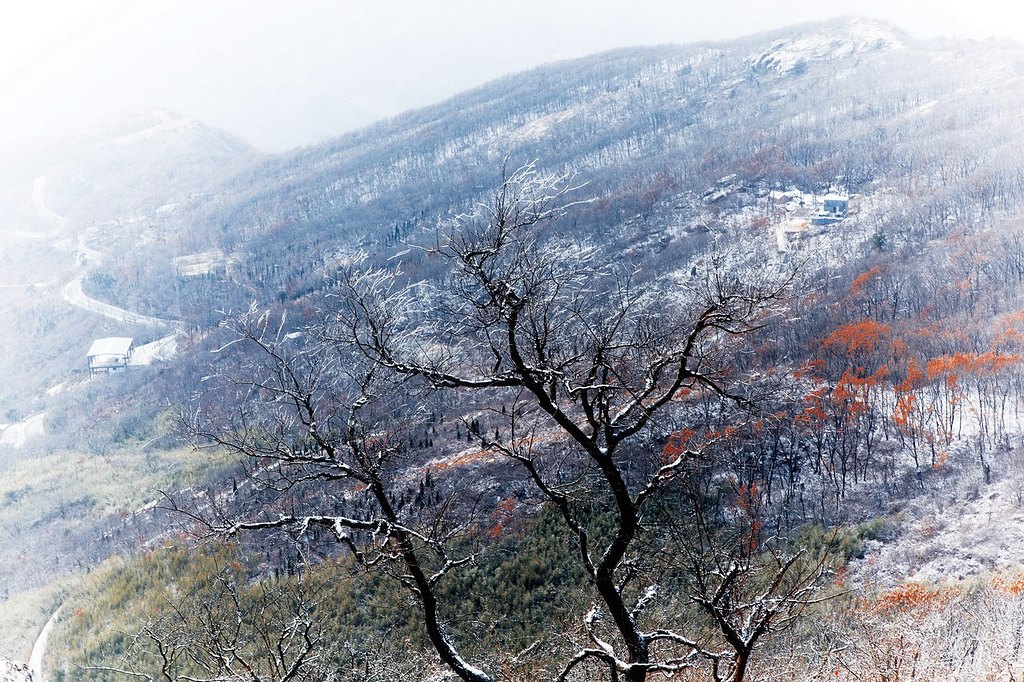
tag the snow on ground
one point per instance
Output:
(29, 285)
(78, 248)
(960, 526)
(35, 662)
(539, 127)
(57, 388)
(26, 235)
(13, 671)
(785, 56)
(161, 123)
(39, 200)
(957, 533)
(73, 294)
(195, 264)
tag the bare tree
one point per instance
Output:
(748, 587)
(221, 631)
(305, 414)
(586, 357)
(583, 367)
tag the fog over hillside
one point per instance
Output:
(280, 75)
(701, 359)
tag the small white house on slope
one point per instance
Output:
(110, 354)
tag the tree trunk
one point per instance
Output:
(740, 671)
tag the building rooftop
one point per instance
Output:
(112, 345)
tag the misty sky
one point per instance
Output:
(294, 72)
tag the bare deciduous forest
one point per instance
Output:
(694, 363)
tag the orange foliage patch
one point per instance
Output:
(683, 394)
(914, 597)
(724, 433)
(1009, 329)
(677, 444)
(864, 278)
(950, 367)
(857, 337)
(502, 514)
(748, 500)
(904, 409)
(914, 379)
(1014, 586)
(899, 348)
(815, 410)
(462, 460)
(811, 369)
(840, 578)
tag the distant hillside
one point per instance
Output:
(847, 104)
(133, 166)
(680, 147)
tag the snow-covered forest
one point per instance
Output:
(697, 362)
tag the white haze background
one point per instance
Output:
(287, 73)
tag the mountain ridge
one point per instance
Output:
(639, 124)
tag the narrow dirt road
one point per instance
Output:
(16, 435)
(73, 294)
(35, 661)
(72, 291)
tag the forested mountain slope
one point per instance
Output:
(849, 105)
(826, 220)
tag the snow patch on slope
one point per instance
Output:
(13, 671)
(829, 43)
(539, 127)
(960, 528)
(162, 350)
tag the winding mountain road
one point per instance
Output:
(72, 291)
(35, 661)
(39, 201)
(73, 294)
(16, 435)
